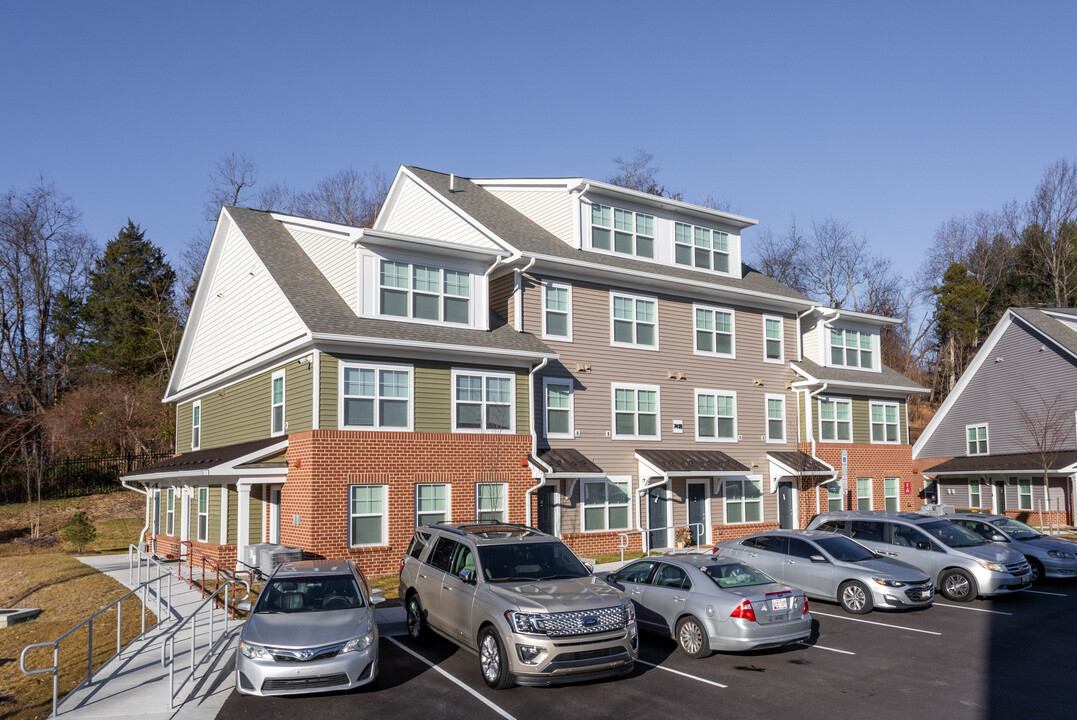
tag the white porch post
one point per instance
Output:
(185, 518)
(244, 522)
(224, 514)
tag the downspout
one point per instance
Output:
(517, 295)
(534, 437)
(1073, 499)
(500, 260)
(811, 437)
(149, 517)
(639, 516)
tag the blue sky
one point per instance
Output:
(891, 116)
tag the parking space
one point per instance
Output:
(986, 659)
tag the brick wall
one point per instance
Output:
(871, 461)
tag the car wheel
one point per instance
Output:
(493, 662)
(416, 621)
(855, 598)
(692, 638)
(957, 585)
(1037, 569)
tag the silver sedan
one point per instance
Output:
(1050, 557)
(707, 604)
(833, 567)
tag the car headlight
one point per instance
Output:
(994, 567)
(1061, 554)
(630, 610)
(359, 643)
(254, 652)
(528, 623)
(888, 583)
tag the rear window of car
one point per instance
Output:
(418, 542)
(441, 555)
(734, 575)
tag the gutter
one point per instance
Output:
(148, 495)
(534, 437)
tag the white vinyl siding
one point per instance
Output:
(633, 321)
(716, 416)
(367, 516)
(556, 310)
(490, 501)
(976, 439)
(423, 214)
(636, 412)
(483, 401)
(743, 501)
(714, 331)
(605, 505)
(375, 397)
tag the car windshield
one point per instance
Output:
(1016, 530)
(950, 534)
(844, 549)
(733, 575)
(288, 595)
(529, 561)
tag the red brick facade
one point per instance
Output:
(877, 462)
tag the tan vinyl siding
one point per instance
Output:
(256, 514)
(501, 296)
(233, 515)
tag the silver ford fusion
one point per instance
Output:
(832, 567)
(312, 629)
(1050, 557)
(707, 603)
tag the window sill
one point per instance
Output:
(630, 346)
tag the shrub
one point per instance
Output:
(78, 530)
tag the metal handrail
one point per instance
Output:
(647, 537)
(55, 669)
(623, 539)
(205, 560)
(135, 556)
(168, 643)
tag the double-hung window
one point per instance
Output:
(836, 420)
(974, 493)
(622, 231)
(374, 397)
(890, 494)
(863, 493)
(714, 331)
(976, 439)
(490, 502)
(775, 418)
(884, 422)
(196, 425)
(636, 412)
(558, 407)
(743, 500)
(773, 341)
(424, 292)
(605, 505)
(431, 503)
(367, 519)
(833, 497)
(277, 403)
(633, 321)
(701, 247)
(850, 348)
(170, 511)
(483, 401)
(556, 310)
(1024, 494)
(203, 514)
(716, 415)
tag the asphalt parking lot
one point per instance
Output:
(1008, 657)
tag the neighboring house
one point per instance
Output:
(1010, 417)
(592, 360)
(853, 415)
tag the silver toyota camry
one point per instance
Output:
(707, 603)
(833, 567)
(311, 630)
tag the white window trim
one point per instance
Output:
(987, 439)
(606, 481)
(732, 354)
(819, 411)
(170, 511)
(283, 397)
(871, 492)
(743, 502)
(766, 417)
(695, 414)
(546, 284)
(199, 535)
(614, 387)
(196, 445)
(896, 495)
(840, 497)
(871, 422)
(781, 339)
(342, 364)
(410, 290)
(875, 350)
(384, 516)
(571, 407)
(613, 232)
(448, 500)
(692, 232)
(634, 297)
(1031, 494)
(504, 509)
(484, 374)
(979, 493)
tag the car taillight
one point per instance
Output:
(401, 563)
(745, 611)
(805, 612)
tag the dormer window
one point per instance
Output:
(622, 231)
(423, 292)
(850, 348)
(701, 247)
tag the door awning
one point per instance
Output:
(564, 463)
(690, 463)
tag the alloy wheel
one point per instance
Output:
(691, 637)
(853, 598)
(490, 657)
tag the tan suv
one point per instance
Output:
(518, 598)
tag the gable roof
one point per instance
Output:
(521, 232)
(889, 378)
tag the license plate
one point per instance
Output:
(779, 604)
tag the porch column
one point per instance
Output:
(244, 521)
(185, 518)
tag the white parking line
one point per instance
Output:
(1044, 592)
(966, 607)
(486, 702)
(872, 622)
(683, 674)
(820, 647)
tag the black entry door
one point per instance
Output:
(545, 514)
(697, 512)
(658, 518)
(785, 505)
(1000, 497)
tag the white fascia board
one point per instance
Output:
(962, 383)
(224, 470)
(328, 228)
(651, 471)
(1011, 471)
(709, 289)
(873, 387)
(442, 347)
(616, 191)
(230, 375)
(453, 207)
(552, 184)
(880, 320)
(391, 198)
(441, 247)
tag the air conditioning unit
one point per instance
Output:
(252, 554)
(270, 557)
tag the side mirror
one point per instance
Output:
(590, 567)
(998, 538)
(376, 598)
(922, 545)
(817, 559)
(611, 578)
(244, 606)
(467, 575)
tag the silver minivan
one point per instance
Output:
(964, 565)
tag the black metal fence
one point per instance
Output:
(74, 477)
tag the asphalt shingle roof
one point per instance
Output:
(675, 461)
(323, 310)
(529, 237)
(206, 459)
(1013, 462)
(800, 461)
(1049, 326)
(568, 460)
(888, 376)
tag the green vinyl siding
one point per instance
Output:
(213, 532)
(233, 515)
(861, 421)
(327, 380)
(433, 398)
(183, 427)
(256, 515)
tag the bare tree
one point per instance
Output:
(1053, 211)
(781, 256)
(1048, 424)
(837, 262)
(638, 173)
(347, 197)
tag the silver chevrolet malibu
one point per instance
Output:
(311, 630)
(707, 603)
